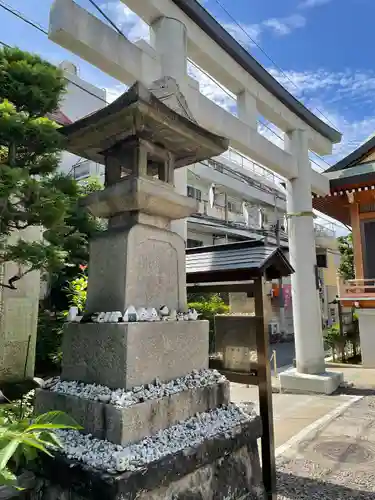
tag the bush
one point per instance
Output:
(208, 308)
(51, 323)
(346, 345)
(48, 344)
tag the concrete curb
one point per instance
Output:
(332, 415)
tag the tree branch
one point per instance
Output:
(15, 278)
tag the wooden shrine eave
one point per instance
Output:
(337, 204)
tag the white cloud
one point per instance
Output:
(245, 34)
(132, 25)
(113, 93)
(308, 4)
(339, 99)
(285, 25)
(213, 90)
(249, 35)
(272, 133)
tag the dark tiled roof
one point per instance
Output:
(244, 260)
(354, 157)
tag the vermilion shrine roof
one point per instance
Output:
(354, 174)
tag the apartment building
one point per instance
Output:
(238, 199)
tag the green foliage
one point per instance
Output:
(346, 344)
(21, 439)
(48, 346)
(208, 308)
(77, 291)
(346, 268)
(34, 84)
(32, 193)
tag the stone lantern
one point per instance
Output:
(136, 379)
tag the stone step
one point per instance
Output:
(133, 423)
(224, 466)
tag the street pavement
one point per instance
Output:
(285, 353)
(292, 412)
(325, 445)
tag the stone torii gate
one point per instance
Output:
(182, 30)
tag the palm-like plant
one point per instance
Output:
(21, 439)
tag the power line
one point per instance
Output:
(40, 28)
(43, 30)
(107, 18)
(265, 53)
(226, 91)
(19, 14)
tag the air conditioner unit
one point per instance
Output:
(274, 327)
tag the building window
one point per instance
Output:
(193, 243)
(195, 193)
(82, 170)
(235, 207)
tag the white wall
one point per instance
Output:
(81, 99)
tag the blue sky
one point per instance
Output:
(321, 49)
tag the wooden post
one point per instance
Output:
(265, 396)
(357, 240)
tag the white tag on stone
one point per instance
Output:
(152, 314)
(163, 311)
(73, 312)
(100, 318)
(115, 316)
(142, 314)
(130, 315)
(107, 317)
(192, 314)
(173, 315)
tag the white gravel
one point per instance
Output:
(107, 456)
(124, 399)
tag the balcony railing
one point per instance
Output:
(325, 231)
(357, 289)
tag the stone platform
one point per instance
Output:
(124, 355)
(133, 423)
(224, 467)
(325, 383)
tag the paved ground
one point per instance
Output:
(325, 445)
(292, 412)
(285, 354)
(335, 460)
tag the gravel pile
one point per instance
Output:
(107, 456)
(124, 399)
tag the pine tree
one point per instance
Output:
(32, 192)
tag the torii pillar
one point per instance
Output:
(309, 375)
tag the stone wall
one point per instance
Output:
(224, 467)
(234, 477)
(18, 318)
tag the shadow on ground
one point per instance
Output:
(355, 391)
(291, 487)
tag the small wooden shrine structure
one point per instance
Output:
(242, 341)
(352, 201)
